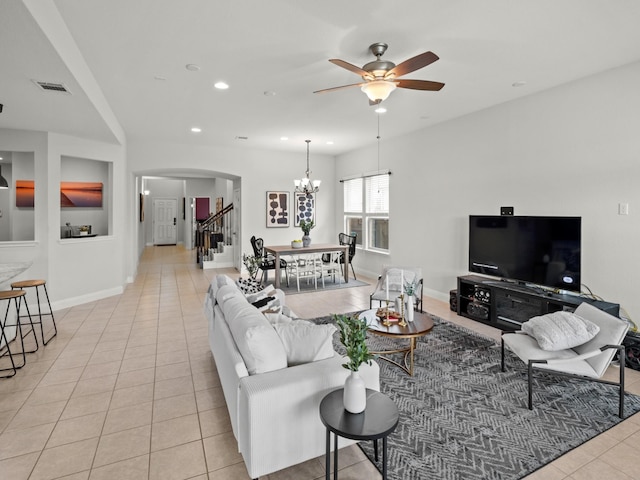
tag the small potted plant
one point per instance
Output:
(251, 264)
(353, 335)
(84, 230)
(306, 226)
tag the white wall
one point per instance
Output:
(572, 150)
(76, 271)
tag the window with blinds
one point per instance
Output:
(366, 211)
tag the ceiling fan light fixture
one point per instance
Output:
(378, 90)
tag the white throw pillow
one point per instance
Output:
(257, 341)
(266, 349)
(560, 330)
(305, 342)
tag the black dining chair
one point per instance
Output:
(267, 262)
(350, 240)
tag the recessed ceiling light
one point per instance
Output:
(196, 129)
(159, 78)
(192, 67)
(221, 85)
(284, 138)
(329, 142)
(381, 110)
(269, 93)
(520, 83)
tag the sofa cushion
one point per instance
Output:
(226, 292)
(257, 341)
(560, 330)
(217, 282)
(305, 342)
(278, 318)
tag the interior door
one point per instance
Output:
(164, 221)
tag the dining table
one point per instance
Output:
(279, 250)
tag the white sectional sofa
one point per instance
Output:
(273, 403)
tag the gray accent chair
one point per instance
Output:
(588, 361)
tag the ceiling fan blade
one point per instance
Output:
(350, 67)
(325, 90)
(413, 64)
(419, 85)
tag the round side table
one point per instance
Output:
(378, 420)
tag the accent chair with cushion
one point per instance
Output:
(391, 281)
(580, 344)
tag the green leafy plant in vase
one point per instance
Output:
(251, 263)
(306, 226)
(353, 336)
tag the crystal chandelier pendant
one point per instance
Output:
(306, 185)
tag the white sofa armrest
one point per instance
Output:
(281, 409)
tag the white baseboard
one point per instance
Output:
(90, 297)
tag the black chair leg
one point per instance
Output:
(353, 271)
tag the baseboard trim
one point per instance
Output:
(90, 297)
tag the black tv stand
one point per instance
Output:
(507, 305)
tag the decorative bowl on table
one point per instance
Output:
(296, 244)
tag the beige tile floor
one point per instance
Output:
(128, 390)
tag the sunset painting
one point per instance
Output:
(24, 193)
(80, 194)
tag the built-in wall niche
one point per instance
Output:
(85, 197)
(17, 223)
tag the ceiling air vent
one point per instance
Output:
(52, 87)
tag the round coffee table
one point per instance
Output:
(378, 420)
(421, 325)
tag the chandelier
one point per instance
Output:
(306, 185)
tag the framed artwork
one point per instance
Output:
(81, 194)
(25, 190)
(277, 209)
(305, 207)
(141, 207)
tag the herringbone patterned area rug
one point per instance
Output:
(462, 418)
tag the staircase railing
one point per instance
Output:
(210, 232)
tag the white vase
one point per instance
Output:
(408, 308)
(355, 394)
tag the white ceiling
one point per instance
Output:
(283, 46)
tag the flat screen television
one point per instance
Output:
(542, 251)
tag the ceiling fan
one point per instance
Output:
(381, 77)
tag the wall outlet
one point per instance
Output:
(623, 209)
